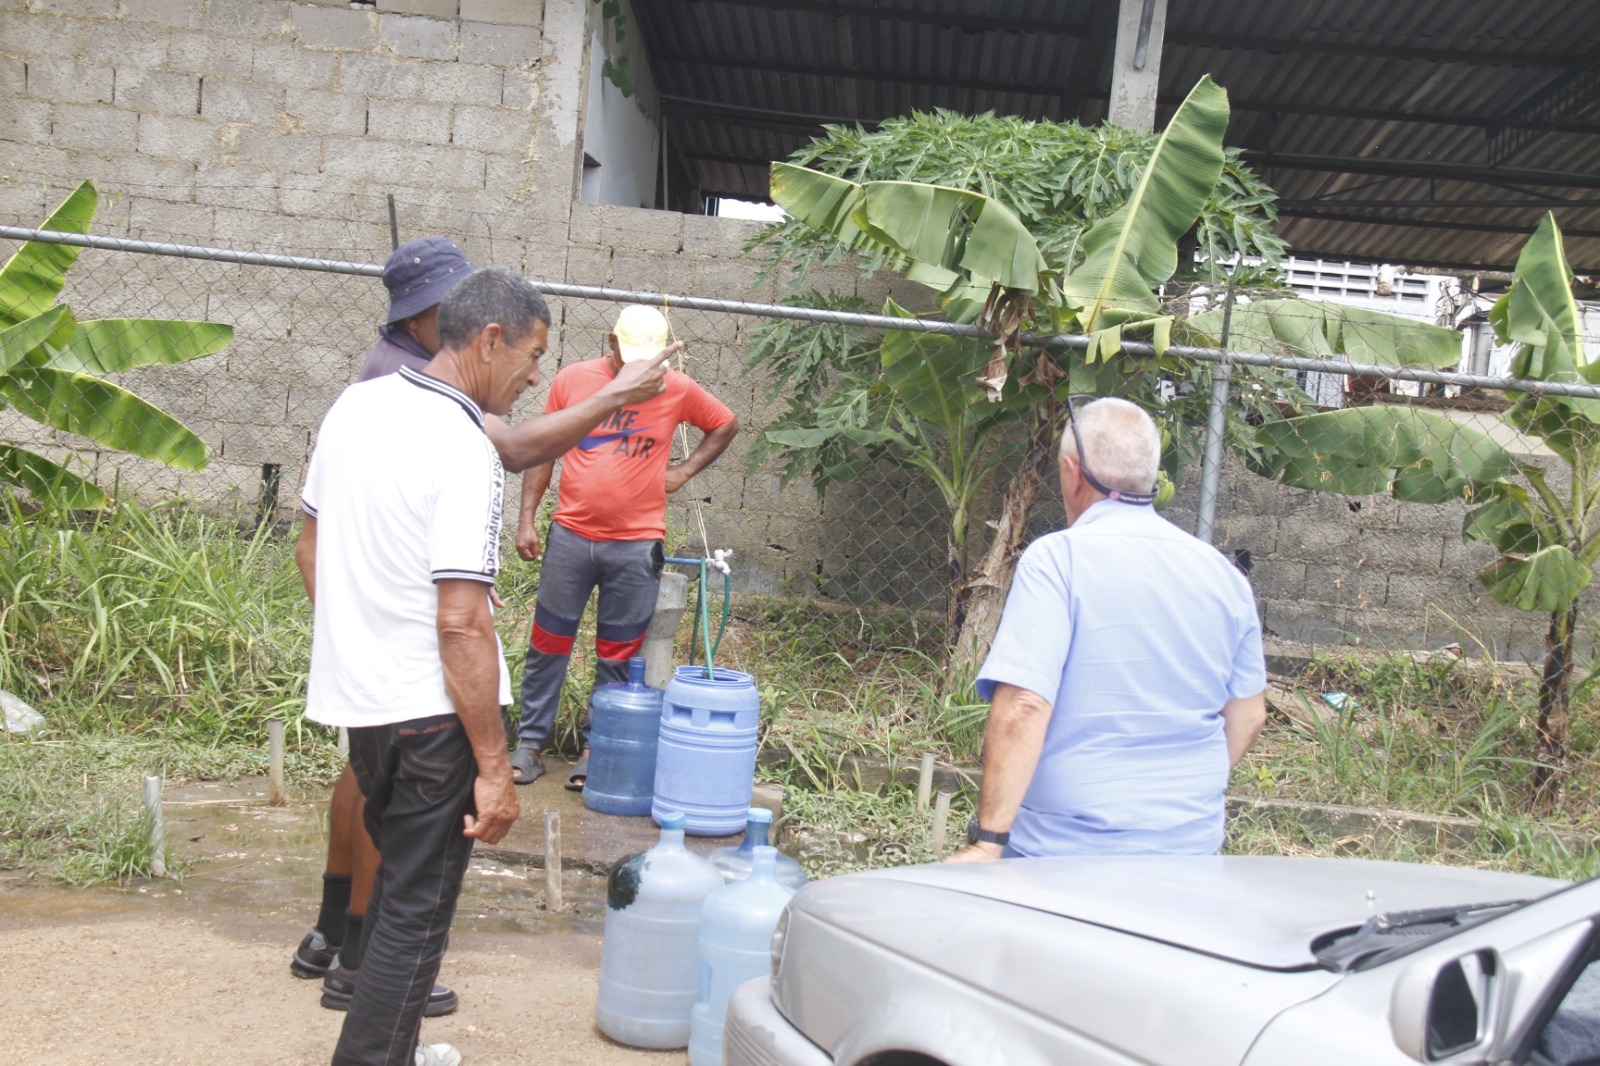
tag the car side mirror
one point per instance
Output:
(1439, 1012)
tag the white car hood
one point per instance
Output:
(1256, 910)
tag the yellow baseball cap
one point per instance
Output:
(641, 333)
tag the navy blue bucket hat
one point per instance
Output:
(421, 273)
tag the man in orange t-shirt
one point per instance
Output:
(608, 527)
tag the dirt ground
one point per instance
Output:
(195, 970)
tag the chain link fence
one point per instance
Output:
(1327, 567)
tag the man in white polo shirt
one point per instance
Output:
(403, 500)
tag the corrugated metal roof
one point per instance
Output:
(1371, 118)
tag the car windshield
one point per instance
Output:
(1388, 936)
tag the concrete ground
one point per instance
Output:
(194, 969)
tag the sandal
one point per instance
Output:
(526, 766)
(579, 775)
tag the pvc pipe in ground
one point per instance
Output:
(672, 599)
(941, 823)
(158, 830)
(925, 781)
(552, 861)
(275, 795)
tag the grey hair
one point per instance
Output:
(1121, 444)
(492, 294)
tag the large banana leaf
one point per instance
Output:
(1132, 251)
(955, 239)
(1321, 330)
(105, 413)
(1420, 456)
(32, 278)
(55, 325)
(931, 373)
(111, 345)
(1539, 312)
(45, 480)
(1548, 580)
(1511, 520)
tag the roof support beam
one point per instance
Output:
(1428, 223)
(965, 22)
(1290, 46)
(1411, 168)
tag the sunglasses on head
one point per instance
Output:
(1120, 495)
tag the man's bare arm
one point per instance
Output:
(1012, 744)
(544, 438)
(705, 453)
(305, 556)
(535, 482)
(471, 659)
(1242, 720)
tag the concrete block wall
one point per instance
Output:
(285, 126)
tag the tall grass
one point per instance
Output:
(145, 618)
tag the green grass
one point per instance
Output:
(161, 639)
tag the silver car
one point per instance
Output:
(1199, 961)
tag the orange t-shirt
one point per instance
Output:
(614, 482)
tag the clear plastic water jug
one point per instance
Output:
(706, 759)
(735, 863)
(736, 926)
(649, 964)
(624, 724)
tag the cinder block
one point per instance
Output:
(96, 129)
(77, 8)
(35, 37)
(708, 235)
(504, 12)
(502, 130)
(386, 76)
(286, 153)
(439, 9)
(157, 91)
(409, 121)
(150, 219)
(170, 137)
(1399, 553)
(22, 204)
(646, 272)
(463, 83)
(640, 229)
(231, 185)
(249, 18)
(331, 27)
(1342, 585)
(209, 54)
(291, 65)
(520, 88)
(25, 119)
(223, 100)
(142, 176)
(132, 44)
(13, 76)
(418, 37)
(253, 443)
(67, 82)
(422, 166)
(251, 230)
(506, 46)
(322, 112)
(731, 280)
(308, 406)
(181, 14)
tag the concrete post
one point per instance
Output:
(158, 831)
(671, 601)
(1136, 63)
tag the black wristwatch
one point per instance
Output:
(977, 834)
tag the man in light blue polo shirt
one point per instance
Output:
(1127, 677)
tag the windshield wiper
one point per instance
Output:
(1394, 933)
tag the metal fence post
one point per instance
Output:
(1216, 427)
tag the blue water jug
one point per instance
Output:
(624, 722)
(735, 863)
(706, 760)
(649, 963)
(736, 926)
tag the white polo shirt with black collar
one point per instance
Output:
(407, 490)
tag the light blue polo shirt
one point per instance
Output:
(1137, 633)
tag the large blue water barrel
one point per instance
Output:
(624, 721)
(736, 927)
(706, 759)
(650, 961)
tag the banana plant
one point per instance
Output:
(1327, 331)
(1548, 535)
(987, 268)
(51, 367)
